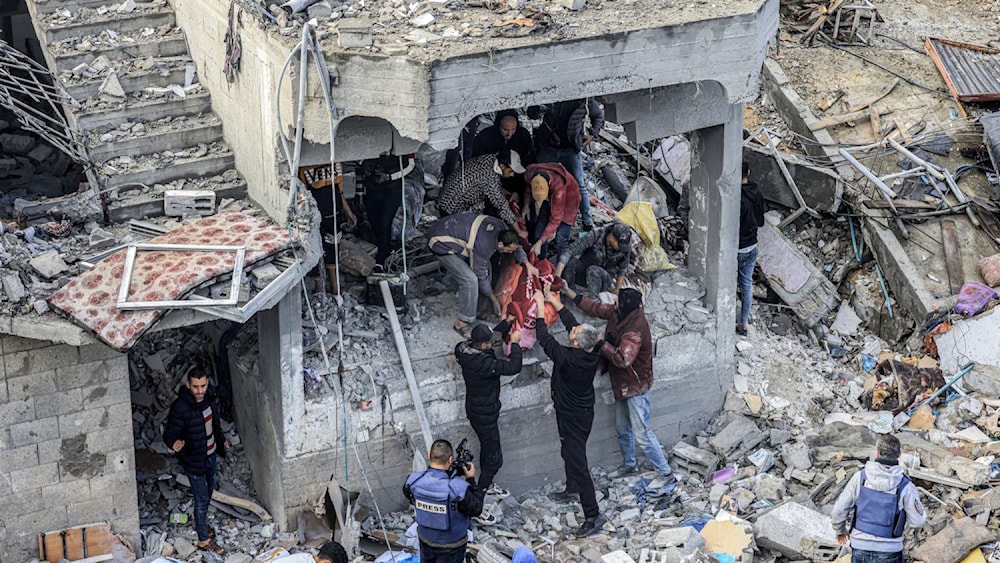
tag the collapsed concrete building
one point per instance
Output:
(66, 454)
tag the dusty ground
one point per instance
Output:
(818, 72)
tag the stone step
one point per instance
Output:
(88, 22)
(134, 81)
(157, 136)
(50, 6)
(67, 57)
(141, 106)
(144, 203)
(158, 168)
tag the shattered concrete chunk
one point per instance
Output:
(99, 238)
(796, 455)
(13, 288)
(740, 434)
(112, 87)
(49, 264)
(797, 532)
(954, 542)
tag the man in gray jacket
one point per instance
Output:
(883, 502)
(465, 244)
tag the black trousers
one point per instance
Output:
(573, 434)
(381, 203)
(490, 454)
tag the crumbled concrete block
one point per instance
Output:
(13, 288)
(770, 487)
(41, 307)
(185, 202)
(7, 165)
(741, 433)
(265, 274)
(970, 471)
(797, 532)
(184, 548)
(716, 493)
(575, 5)
(423, 20)
(40, 153)
(954, 541)
(685, 536)
(99, 238)
(618, 556)
(319, 10)
(112, 87)
(126, 7)
(354, 32)
(238, 558)
(628, 514)
(778, 437)
(17, 144)
(796, 455)
(49, 264)
(694, 460)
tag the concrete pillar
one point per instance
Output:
(279, 332)
(714, 222)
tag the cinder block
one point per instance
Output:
(39, 360)
(108, 485)
(83, 422)
(62, 402)
(797, 532)
(92, 373)
(49, 451)
(34, 477)
(98, 352)
(110, 439)
(11, 344)
(188, 202)
(106, 394)
(34, 431)
(14, 459)
(49, 520)
(66, 493)
(91, 510)
(121, 460)
(14, 412)
(354, 33)
(23, 387)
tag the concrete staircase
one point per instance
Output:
(157, 131)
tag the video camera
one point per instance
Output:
(463, 457)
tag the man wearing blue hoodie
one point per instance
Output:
(883, 502)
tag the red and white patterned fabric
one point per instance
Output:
(91, 298)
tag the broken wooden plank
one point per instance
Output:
(904, 131)
(846, 117)
(952, 256)
(867, 102)
(876, 123)
(824, 15)
(828, 102)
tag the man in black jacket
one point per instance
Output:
(563, 134)
(573, 371)
(751, 219)
(482, 371)
(193, 432)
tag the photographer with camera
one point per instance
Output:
(445, 504)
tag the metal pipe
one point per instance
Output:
(885, 190)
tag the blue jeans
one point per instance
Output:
(865, 556)
(632, 423)
(745, 265)
(571, 160)
(201, 488)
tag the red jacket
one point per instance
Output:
(564, 195)
(628, 347)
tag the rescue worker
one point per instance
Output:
(884, 502)
(444, 504)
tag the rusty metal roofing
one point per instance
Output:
(971, 71)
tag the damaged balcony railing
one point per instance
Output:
(30, 91)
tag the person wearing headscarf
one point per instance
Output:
(550, 208)
(599, 260)
(628, 349)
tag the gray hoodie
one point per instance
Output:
(879, 477)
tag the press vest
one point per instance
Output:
(435, 498)
(878, 513)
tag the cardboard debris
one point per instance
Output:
(922, 419)
(723, 536)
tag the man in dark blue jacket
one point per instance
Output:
(444, 505)
(482, 370)
(573, 371)
(193, 431)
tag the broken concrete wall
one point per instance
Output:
(293, 465)
(66, 452)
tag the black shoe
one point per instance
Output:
(624, 471)
(587, 227)
(741, 330)
(590, 527)
(564, 497)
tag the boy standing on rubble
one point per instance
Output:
(884, 502)
(751, 219)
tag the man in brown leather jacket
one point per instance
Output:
(628, 348)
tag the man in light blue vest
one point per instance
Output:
(884, 502)
(445, 505)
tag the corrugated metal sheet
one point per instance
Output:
(971, 71)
